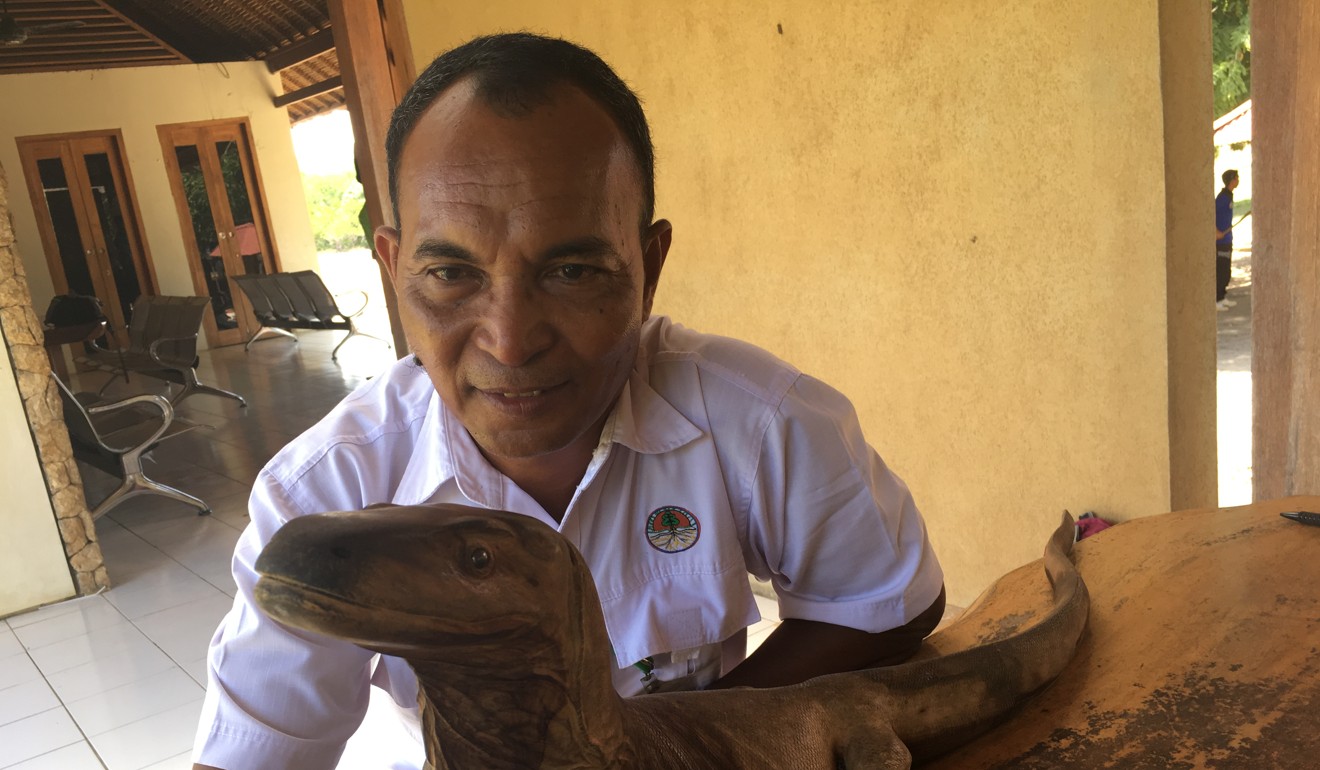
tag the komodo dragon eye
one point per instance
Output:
(479, 557)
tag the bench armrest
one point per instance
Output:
(156, 345)
(363, 306)
(160, 402)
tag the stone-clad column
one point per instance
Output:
(41, 402)
(1285, 260)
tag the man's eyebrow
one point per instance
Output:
(586, 246)
(440, 248)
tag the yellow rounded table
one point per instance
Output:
(1202, 650)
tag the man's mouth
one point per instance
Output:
(521, 394)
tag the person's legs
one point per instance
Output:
(1223, 271)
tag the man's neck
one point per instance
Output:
(552, 479)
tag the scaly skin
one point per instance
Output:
(514, 663)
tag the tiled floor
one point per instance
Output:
(115, 681)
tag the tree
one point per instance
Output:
(1231, 49)
(333, 203)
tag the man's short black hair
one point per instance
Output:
(1228, 176)
(514, 74)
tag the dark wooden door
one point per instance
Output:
(88, 219)
(226, 233)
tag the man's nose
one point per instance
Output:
(515, 325)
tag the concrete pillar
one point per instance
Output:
(1286, 248)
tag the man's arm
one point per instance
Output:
(801, 649)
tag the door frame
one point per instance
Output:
(129, 210)
(252, 178)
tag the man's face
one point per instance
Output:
(522, 278)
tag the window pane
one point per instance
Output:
(113, 230)
(73, 256)
(208, 243)
(240, 206)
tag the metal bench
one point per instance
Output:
(113, 436)
(162, 343)
(299, 300)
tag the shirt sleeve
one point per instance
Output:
(834, 530)
(276, 697)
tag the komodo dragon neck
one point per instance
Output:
(544, 700)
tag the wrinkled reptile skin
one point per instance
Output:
(499, 617)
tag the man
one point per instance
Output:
(525, 262)
(1224, 239)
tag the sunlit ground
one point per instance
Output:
(350, 275)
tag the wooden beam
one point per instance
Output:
(85, 59)
(301, 51)
(1285, 259)
(315, 89)
(371, 92)
(103, 4)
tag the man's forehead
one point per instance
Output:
(462, 128)
(464, 151)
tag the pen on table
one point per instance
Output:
(1304, 517)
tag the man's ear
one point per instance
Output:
(387, 247)
(655, 247)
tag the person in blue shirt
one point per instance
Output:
(1224, 239)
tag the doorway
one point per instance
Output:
(88, 218)
(217, 190)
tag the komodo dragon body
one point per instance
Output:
(499, 617)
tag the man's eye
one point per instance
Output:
(572, 272)
(446, 274)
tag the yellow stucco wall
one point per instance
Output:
(136, 101)
(952, 210)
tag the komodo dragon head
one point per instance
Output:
(496, 612)
(499, 617)
(421, 583)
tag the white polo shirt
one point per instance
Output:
(718, 460)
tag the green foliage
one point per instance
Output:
(333, 202)
(1231, 49)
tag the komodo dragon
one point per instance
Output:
(499, 617)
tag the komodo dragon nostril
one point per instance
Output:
(339, 552)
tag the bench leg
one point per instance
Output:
(192, 385)
(138, 484)
(272, 330)
(353, 332)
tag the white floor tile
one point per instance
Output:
(76, 651)
(36, 735)
(77, 756)
(178, 762)
(51, 611)
(121, 667)
(137, 700)
(86, 617)
(9, 644)
(197, 670)
(17, 669)
(24, 700)
(169, 585)
(151, 740)
(185, 632)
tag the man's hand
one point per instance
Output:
(801, 649)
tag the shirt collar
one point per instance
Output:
(642, 420)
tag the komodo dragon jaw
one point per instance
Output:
(499, 617)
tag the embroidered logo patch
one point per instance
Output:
(672, 529)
